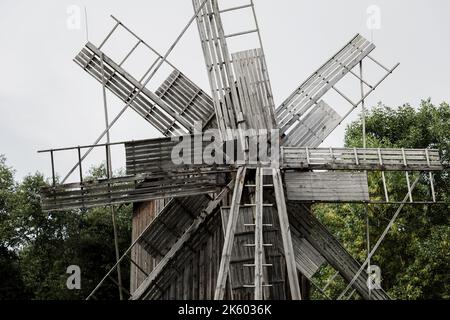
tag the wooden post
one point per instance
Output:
(259, 235)
(229, 235)
(286, 235)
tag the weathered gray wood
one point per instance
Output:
(286, 236)
(229, 236)
(311, 91)
(327, 186)
(171, 222)
(211, 208)
(314, 128)
(187, 99)
(360, 159)
(308, 259)
(130, 189)
(254, 90)
(304, 222)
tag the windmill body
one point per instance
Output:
(223, 203)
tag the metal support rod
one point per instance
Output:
(164, 59)
(53, 168)
(433, 194)
(383, 235)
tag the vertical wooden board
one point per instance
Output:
(312, 90)
(186, 98)
(254, 89)
(286, 236)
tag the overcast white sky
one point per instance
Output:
(46, 100)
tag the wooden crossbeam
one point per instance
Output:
(361, 159)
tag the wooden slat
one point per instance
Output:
(178, 246)
(326, 186)
(307, 225)
(314, 128)
(312, 90)
(363, 159)
(129, 189)
(164, 114)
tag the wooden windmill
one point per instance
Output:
(241, 228)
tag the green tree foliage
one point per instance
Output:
(37, 247)
(415, 255)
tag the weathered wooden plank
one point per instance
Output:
(307, 225)
(308, 259)
(314, 128)
(229, 235)
(360, 159)
(170, 222)
(175, 249)
(128, 190)
(326, 186)
(186, 98)
(286, 236)
(254, 90)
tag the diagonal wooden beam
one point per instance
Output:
(229, 235)
(211, 208)
(302, 219)
(286, 236)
